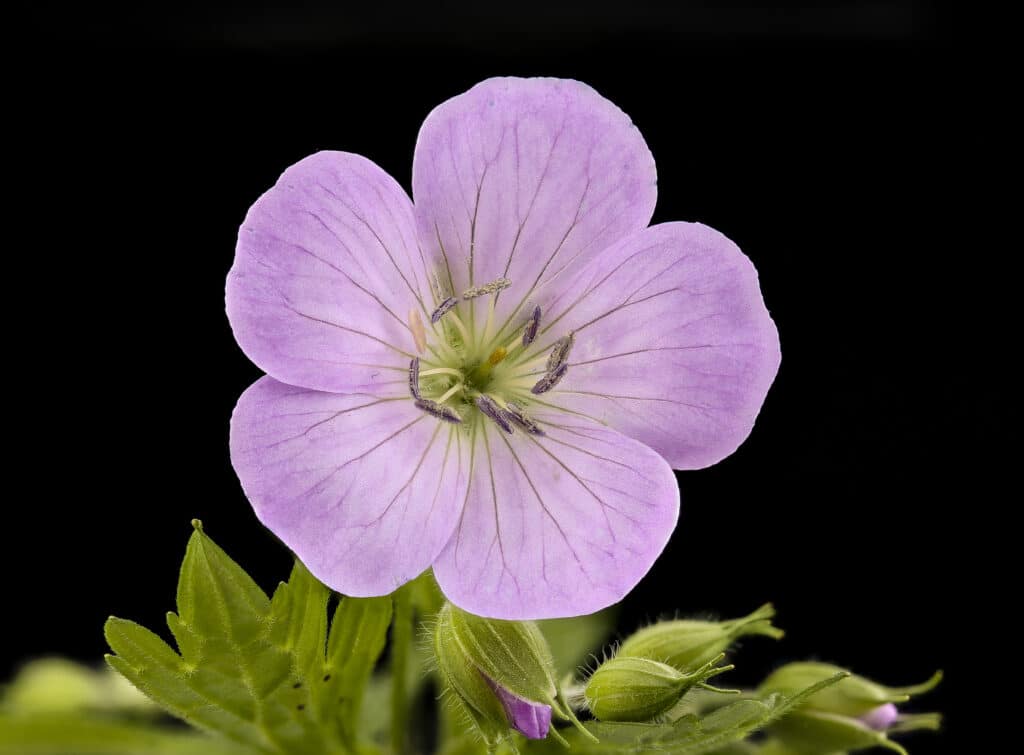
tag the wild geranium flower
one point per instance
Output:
(496, 378)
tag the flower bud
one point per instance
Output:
(808, 732)
(852, 714)
(639, 689)
(500, 671)
(853, 696)
(688, 644)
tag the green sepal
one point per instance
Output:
(854, 696)
(513, 653)
(811, 732)
(465, 687)
(639, 689)
(687, 644)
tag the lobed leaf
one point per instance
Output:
(248, 667)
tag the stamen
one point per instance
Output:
(488, 288)
(457, 321)
(414, 377)
(485, 336)
(517, 415)
(497, 355)
(549, 381)
(443, 308)
(419, 333)
(449, 393)
(530, 332)
(441, 371)
(560, 352)
(490, 409)
(437, 410)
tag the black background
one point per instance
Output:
(817, 137)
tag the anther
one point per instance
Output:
(491, 409)
(489, 288)
(414, 377)
(550, 380)
(438, 410)
(560, 352)
(519, 417)
(497, 355)
(442, 308)
(419, 333)
(530, 331)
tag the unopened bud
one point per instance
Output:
(500, 671)
(853, 696)
(852, 714)
(687, 644)
(639, 689)
(810, 731)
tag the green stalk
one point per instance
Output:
(401, 647)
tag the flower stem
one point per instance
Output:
(401, 647)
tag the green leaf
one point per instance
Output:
(82, 735)
(301, 607)
(216, 598)
(245, 662)
(358, 633)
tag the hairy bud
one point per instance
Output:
(687, 644)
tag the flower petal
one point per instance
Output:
(530, 719)
(366, 491)
(673, 343)
(326, 270)
(517, 177)
(559, 525)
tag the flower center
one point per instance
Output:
(466, 374)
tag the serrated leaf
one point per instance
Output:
(244, 660)
(307, 618)
(263, 671)
(357, 638)
(216, 598)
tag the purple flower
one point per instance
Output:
(606, 352)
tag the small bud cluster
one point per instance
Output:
(501, 674)
(657, 666)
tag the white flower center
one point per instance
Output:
(467, 374)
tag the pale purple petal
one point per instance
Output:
(881, 718)
(326, 269)
(530, 719)
(518, 178)
(674, 345)
(366, 491)
(557, 525)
